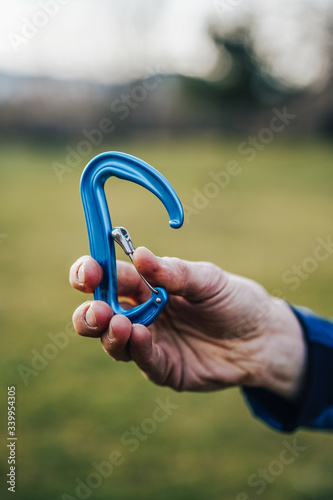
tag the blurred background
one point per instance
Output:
(232, 101)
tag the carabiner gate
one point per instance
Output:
(122, 237)
(101, 235)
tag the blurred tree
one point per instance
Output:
(240, 77)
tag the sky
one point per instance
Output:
(112, 41)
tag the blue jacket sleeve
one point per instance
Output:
(315, 407)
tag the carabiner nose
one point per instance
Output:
(99, 227)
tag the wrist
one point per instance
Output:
(285, 358)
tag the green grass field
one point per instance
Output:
(75, 408)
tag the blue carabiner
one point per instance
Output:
(99, 227)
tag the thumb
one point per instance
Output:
(192, 280)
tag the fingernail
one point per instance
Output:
(81, 275)
(91, 318)
(109, 334)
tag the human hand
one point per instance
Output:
(217, 330)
